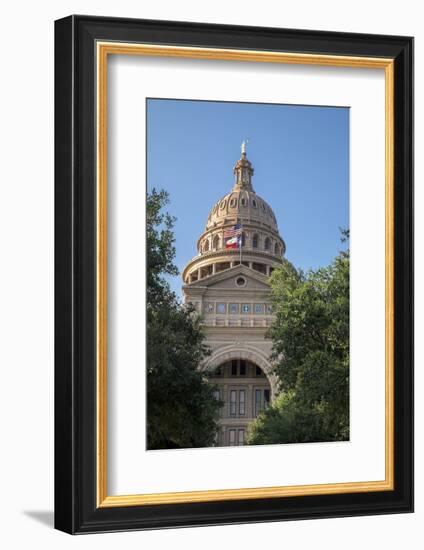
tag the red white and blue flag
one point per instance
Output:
(233, 234)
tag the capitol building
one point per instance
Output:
(227, 282)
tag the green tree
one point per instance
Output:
(181, 407)
(310, 337)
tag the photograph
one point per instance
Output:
(247, 256)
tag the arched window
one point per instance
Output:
(243, 239)
(276, 249)
(206, 246)
(255, 240)
(267, 243)
(216, 242)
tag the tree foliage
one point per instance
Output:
(310, 337)
(181, 408)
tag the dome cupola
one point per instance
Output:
(243, 172)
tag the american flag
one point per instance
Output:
(232, 231)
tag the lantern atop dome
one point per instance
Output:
(243, 171)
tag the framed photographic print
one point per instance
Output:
(233, 272)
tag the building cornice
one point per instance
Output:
(248, 254)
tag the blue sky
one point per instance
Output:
(300, 155)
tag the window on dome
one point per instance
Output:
(267, 243)
(277, 249)
(216, 242)
(255, 240)
(206, 246)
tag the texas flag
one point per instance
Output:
(233, 234)
(234, 242)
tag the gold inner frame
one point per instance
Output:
(104, 49)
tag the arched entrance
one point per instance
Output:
(244, 390)
(246, 352)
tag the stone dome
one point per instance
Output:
(260, 247)
(242, 203)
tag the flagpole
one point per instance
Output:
(241, 239)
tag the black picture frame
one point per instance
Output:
(76, 509)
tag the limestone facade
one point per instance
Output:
(230, 289)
